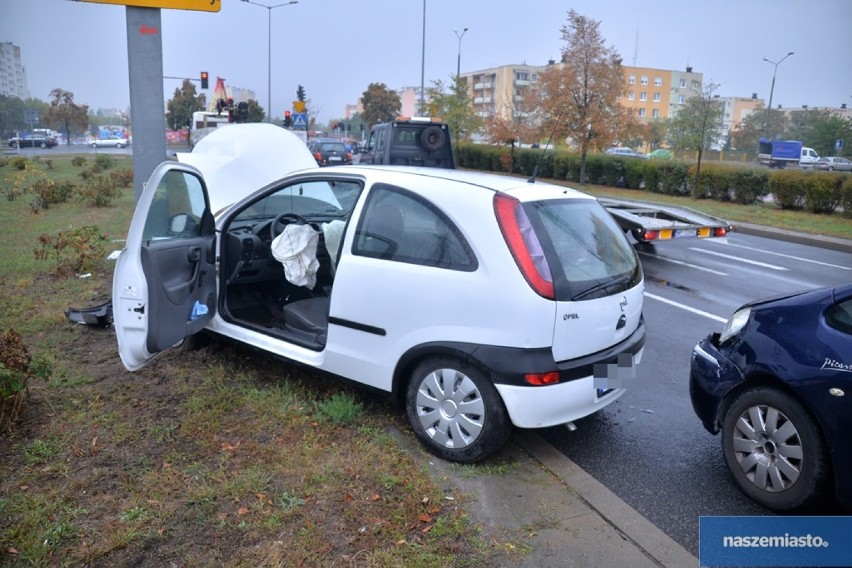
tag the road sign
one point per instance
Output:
(838, 144)
(202, 5)
(299, 106)
(300, 120)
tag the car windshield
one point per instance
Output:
(588, 253)
(318, 200)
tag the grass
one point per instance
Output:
(219, 456)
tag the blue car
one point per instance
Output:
(777, 383)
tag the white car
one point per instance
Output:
(109, 142)
(476, 301)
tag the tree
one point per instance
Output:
(580, 96)
(518, 121)
(255, 111)
(380, 104)
(749, 131)
(825, 129)
(183, 104)
(697, 125)
(12, 114)
(454, 108)
(64, 114)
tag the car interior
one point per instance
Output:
(255, 287)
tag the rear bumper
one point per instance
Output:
(587, 385)
(541, 407)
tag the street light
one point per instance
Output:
(269, 55)
(458, 64)
(772, 89)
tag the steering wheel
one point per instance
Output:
(280, 223)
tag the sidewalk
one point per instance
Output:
(537, 509)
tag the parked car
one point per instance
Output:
(626, 153)
(777, 383)
(475, 301)
(32, 141)
(660, 154)
(109, 142)
(834, 163)
(330, 152)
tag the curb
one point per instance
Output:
(633, 526)
(821, 241)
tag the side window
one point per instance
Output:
(177, 208)
(839, 316)
(400, 226)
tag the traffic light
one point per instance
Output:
(204, 79)
(288, 120)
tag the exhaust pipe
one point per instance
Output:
(571, 427)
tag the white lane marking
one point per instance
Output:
(739, 259)
(695, 266)
(685, 307)
(789, 256)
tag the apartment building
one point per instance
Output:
(649, 93)
(13, 75)
(500, 90)
(658, 93)
(736, 109)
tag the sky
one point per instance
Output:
(336, 48)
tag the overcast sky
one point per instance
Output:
(335, 48)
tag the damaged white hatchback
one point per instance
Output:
(477, 302)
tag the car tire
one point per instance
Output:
(455, 411)
(830, 169)
(119, 146)
(43, 145)
(774, 449)
(94, 145)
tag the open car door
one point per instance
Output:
(164, 285)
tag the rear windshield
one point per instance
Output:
(588, 253)
(332, 147)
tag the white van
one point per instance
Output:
(809, 158)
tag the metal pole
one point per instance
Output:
(772, 90)
(269, 50)
(269, 62)
(423, 62)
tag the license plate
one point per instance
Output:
(685, 233)
(334, 158)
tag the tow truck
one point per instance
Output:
(648, 222)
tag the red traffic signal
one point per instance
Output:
(204, 77)
(288, 120)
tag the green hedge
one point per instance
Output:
(819, 192)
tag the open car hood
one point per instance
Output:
(238, 159)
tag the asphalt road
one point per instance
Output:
(648, 447)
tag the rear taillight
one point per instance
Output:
(318, 157)
(542, 379)
(524, 245)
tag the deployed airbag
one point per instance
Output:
(296, 249)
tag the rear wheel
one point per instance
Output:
(455, 410)
(774, 449)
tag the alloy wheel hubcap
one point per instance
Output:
(768, 448)
(450, 408)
